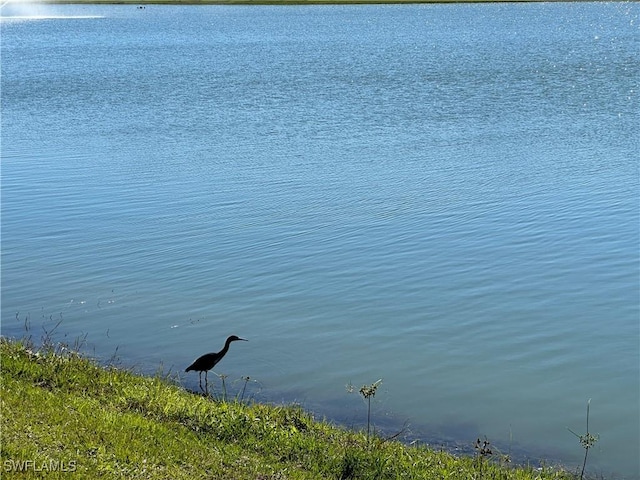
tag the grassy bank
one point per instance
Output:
(63, 415)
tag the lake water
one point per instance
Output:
(444, 197)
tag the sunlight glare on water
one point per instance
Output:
(21, 10)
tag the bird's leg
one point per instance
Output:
(206, 382)
(200, 378)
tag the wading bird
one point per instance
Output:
(209, 360)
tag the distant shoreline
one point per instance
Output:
(290, 2)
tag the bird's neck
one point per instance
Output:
(226, 347)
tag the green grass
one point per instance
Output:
(61, 411)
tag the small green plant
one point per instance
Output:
(587, 441)
(483, 452)
(27, 322)
(47, 339)
(244, 387)
(223, 377)
(367, 391)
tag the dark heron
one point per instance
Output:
(209, 360)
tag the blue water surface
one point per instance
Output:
(441, 196)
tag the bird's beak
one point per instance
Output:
(243, 339)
